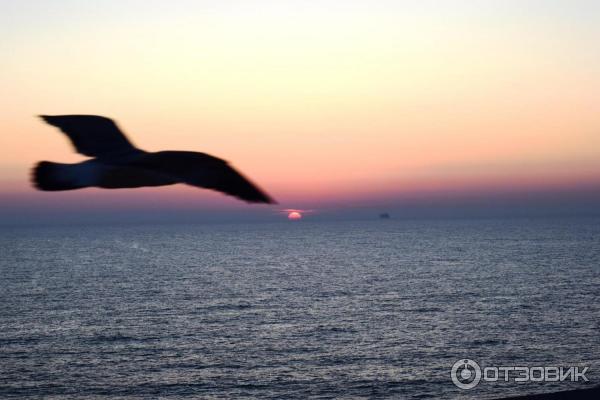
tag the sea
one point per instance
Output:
(297, 310)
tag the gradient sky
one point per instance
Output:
(322, 103)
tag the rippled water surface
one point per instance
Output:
(370, 309)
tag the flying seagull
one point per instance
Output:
(117, 163)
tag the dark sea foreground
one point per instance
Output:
(375, 309)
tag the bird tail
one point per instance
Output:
(53, 176)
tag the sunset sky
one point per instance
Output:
(324, 104)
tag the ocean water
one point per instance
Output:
(351, 309)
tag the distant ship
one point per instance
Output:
(384, 216)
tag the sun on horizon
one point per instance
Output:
(294, 216)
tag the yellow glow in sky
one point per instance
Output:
(315, 100)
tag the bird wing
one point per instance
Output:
(91, 135)
(205, 171)
(227, 180)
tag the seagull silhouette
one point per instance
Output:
(116, 163)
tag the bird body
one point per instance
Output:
(119, 164)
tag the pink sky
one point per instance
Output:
(317, 104)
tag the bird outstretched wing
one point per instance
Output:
(205, 171)
(92, 135)
(231, 182)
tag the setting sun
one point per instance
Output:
(294, 216)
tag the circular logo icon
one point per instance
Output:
(466, 374)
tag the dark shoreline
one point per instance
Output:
(579, 394)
